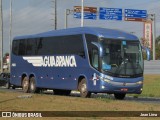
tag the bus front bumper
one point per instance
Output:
(121, 87)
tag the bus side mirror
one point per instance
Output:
(147, 52)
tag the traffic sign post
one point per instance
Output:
(89, 12)
(110, 13)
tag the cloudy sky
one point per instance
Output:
(35, 16)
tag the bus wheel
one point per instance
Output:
(7, 85)
(119, 96)
(83, 89)
(25, 85)
(13, 87)
(32, 86)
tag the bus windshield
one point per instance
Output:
(122, 58)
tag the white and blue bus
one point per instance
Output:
(87, 59)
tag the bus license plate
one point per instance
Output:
(124, 89)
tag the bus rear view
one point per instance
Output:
(89, 59)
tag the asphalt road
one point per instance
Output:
(76, 94)
(152, 67)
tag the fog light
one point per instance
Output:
(141, 89)
(103, 87)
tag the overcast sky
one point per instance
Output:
(35, 16)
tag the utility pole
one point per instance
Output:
(67, 12)
(55, 14)
(154, 35)
(66, 18)
(82, 14)
(1, 36)
(152, 17)
(10, 34)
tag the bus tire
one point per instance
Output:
(119, 96)
(25, 85)
(7, 85)
(13, 87)
(32, 86)
(83, 89)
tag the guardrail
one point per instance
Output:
(152, 67)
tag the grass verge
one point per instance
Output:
(151, 86)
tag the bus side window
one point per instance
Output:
(95, 58)
(22, 48)
(15, 47)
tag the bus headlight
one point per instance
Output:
(106, 80)
(139, 82)
(103, 87)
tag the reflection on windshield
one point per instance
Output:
(122, 57)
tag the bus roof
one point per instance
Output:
(101, 32)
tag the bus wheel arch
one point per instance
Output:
(82, 87)
(79, 80)
(25, 83)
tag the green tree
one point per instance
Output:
(158, 40)
(158, 48)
